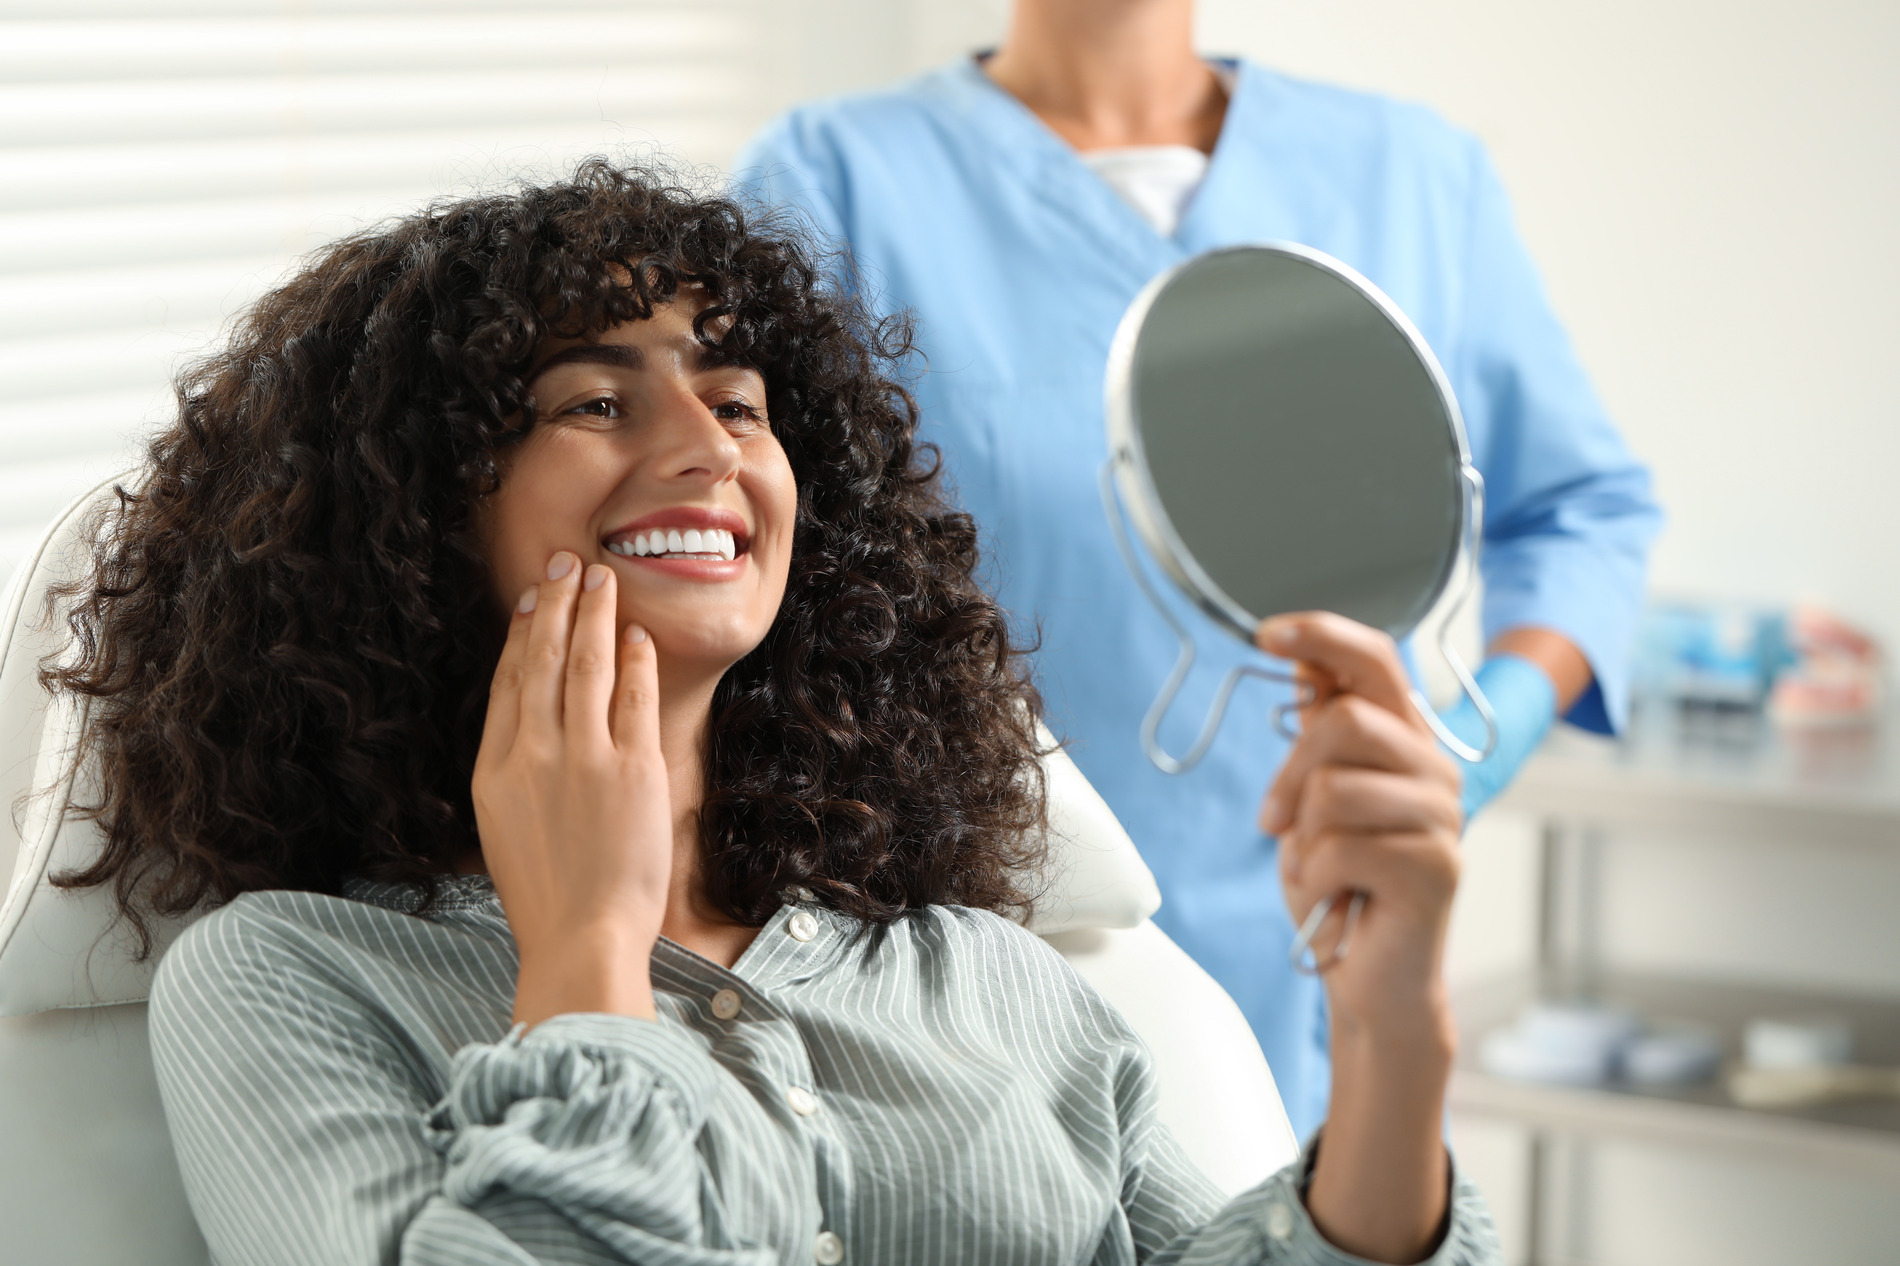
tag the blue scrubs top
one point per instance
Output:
(958, 203)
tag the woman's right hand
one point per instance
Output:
(571, 798)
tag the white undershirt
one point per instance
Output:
(1156, 180)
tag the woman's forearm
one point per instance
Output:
(1380, 1184)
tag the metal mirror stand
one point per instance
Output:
(1460, 582)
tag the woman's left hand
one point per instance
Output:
(1367, 802)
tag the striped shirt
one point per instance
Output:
(344, 1086)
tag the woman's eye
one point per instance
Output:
(735, 411)
(600, 407)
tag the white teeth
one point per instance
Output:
(715, 541)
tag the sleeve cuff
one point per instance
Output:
(593, 1068)
(1594, 604)
(669, 1054)
(1290, 1237)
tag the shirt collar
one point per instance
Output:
(781, 954)
(1008, 137)
(778, 955)
(453, 893)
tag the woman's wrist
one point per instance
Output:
(1416, 1030)
(605, 970)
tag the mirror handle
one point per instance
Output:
(1151, 723)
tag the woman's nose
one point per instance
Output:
(693, 443)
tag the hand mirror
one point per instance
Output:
(1284, 440)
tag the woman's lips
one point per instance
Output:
(685, 567)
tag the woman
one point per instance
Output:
(541, 639)
(1094, 150)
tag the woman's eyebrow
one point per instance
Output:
(619, 355)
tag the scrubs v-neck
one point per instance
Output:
(958, 204)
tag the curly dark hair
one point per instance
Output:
(289, 631)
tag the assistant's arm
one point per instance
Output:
(305, 1135)
(1569, 512)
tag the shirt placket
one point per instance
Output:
(770, 1047)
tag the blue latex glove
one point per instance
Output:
(1524, 703)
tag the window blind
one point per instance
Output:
(162, 162)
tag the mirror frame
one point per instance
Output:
(1128, 455)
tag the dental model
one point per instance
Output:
(674, 543)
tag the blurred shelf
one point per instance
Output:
(1859, 1135)
(1735, 774)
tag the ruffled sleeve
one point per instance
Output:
(306, 1135)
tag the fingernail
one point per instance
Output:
(529, 597)
(1276, 637)
(560, 565)
(636, 634)
(1270, 813)
(596, 577)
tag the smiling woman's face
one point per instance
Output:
(660, 463)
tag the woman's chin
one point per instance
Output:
(696, 648)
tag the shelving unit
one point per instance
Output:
(1862, 1135)
(1719, 778)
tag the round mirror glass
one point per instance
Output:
(1285, 441)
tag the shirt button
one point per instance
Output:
(802, 926)
(726, 1004)
(803, 1101)
(827, 1249)
(1279, 1220)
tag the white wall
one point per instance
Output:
(1712, 190)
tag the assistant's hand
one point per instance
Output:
(1523, 705)
(1368, 801)
(571, 798)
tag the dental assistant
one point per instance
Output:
(1017, 202)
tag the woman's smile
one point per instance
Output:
(691, 542)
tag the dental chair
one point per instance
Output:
(87, 1176)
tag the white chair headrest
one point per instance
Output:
(1094, 877)
(57, 948)
(62, 948)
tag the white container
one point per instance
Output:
(1576, 1044)
(1810, 1042)
(1672, 1056)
